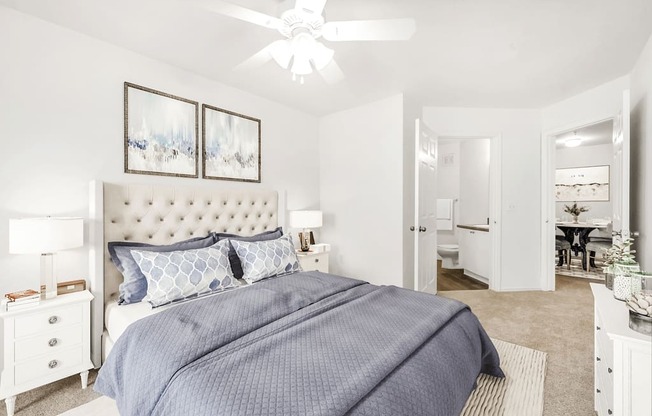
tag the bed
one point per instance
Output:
(296, 344)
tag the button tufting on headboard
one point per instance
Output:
(164, 214)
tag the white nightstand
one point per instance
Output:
(45, 343)
(313, 261)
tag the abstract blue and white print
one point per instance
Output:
(161, 134)
(231, 145)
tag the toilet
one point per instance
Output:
(449, 255)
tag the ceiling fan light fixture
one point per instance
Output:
(281, 52)
(301, 66)
(321, 55)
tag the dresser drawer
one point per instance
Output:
(606, 387)
(48, 364)
(48, 342)
(47, 320)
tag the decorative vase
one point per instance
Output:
(644, 282)
(622, 286)
(576, 219)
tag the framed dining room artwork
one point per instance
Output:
(588, 183)
(231, 145)
(160, 133)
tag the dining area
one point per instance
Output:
(579, 244)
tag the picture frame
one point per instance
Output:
(161, 133)
(582, 184)
(231, 145)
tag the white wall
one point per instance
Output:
(520, 168)
(641, 134)
(572, 157)
(474, 181)
(448, 185)
(61, 110)
(361, 185)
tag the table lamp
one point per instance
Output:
(45, 236)
(305, 220)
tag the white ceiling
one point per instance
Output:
(481, 53)
(600, 133)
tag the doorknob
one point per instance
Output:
(617, 233)
(412, 228)
(422, 229)
(635, 234)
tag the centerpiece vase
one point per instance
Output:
(575, 219)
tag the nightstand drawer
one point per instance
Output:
(48, 342)
(49, 364)
(312, 262)
(48, 320)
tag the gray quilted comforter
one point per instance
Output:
(303, 344)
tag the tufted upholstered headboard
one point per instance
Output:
(159, 214)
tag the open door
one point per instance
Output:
(425, 209)
(620, 171)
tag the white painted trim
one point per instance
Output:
(96, 267)
(415, 222)
(548, 156)
(496, 210)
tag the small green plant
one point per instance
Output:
(575, 209)
(620, 252)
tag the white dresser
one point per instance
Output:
(45, 343)
(623, 360)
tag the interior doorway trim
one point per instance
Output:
(548, 163)
(495, 201)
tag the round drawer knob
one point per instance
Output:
(597, 358)
(53, 319)
(53, 342)
(53, 363)
(609, 370)
(597, 390)
(610, 412)
(597, 327)
(316, 260)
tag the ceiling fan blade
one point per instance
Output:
(387, 29)
(241, 13)
(332, 73)
(260, 58)
(311, 6)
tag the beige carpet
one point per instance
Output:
(558, 323)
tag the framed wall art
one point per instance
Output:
(590, 183)
(160, 133)
(231, 145)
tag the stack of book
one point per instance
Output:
(23, 299)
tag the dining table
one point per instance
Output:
(577, 234)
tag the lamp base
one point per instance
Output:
(48, 283)
(304, 240)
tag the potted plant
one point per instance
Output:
(575, 211)
(619, 265)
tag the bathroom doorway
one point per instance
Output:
(465, 254)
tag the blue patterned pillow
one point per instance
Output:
(233, 257)
(262, 259)
(134, 286)
(178, 275)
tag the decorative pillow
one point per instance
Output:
(178, 275)
(233, 257)
(264, 259)
(134, 287)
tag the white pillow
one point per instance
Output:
(262, 259)
(177, 275)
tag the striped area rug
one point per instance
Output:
(519, 393)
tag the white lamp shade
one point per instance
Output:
(305, 219)
(45, 235)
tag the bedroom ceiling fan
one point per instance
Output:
(303, 27)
